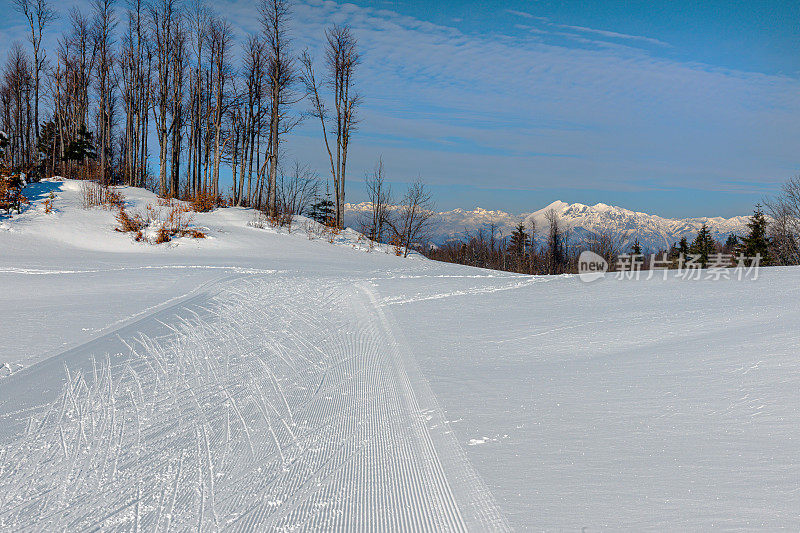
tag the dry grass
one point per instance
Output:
(96, 195)
(262, 220)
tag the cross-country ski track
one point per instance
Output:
(257, 404)
(264, 379)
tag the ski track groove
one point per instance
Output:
(279, 407)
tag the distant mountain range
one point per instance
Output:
(583, 221)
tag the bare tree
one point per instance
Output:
(104, 45)
(280, 77)
(255, 71)
(178, 50)
(163, 18)
(341, 58)
(220, 35)
(415, 219)
(298, 189)
(784, 228)
(198, 24)
(379, 194)
(17, 119)
(605, 244)
(134, 63)
(38, 13)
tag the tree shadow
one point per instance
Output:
(35, 192)
(41, 190)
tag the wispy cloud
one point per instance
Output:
(528, 112)
(544, 21)
(531, 113)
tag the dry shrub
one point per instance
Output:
(11, 197)
(204, 202)
(313, 229)
(94, 194)
(114, 199)
(283, 218)
(129, 223)
(170, 217)
(332, 232)
(262, 220)
(397, 244)
(258, 220)
(178, 218)
(162, 235)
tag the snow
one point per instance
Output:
(260, 380)
(653, 232)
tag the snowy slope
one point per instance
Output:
(260, 380)
(654, 232)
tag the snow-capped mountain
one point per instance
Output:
(652, 231)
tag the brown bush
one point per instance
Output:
(204, 202)
(128, 223)
(163, 235)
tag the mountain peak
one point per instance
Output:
(652, 231)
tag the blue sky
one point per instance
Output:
(675, 108)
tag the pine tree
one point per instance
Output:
(756, 243)
(3, 143)
(636, 248)
(683, 247)
(731, 243)
(519, 241)
(82, 147)
(703, 245)
(49, 139)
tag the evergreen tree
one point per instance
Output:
(678, 250)
(703, 245)
(683, 247)
(82, 147)
(49, 139)
(636, 248)
(519, 241)
(757, 241)
(731, 243)
(3, 143)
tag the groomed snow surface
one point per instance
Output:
(262, 380)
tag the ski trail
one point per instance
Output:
(479, 508)
(284, 405)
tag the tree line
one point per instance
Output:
(170, 70)
(772, 235)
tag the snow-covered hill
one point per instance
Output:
(652, 231)
(258, 380)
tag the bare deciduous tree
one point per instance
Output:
(605, 244)
(784, 228)
(38, 13)
(298, 189)
(341, 58)
(220, 36)
(280, 77)
(379, 194)
(104, 46)
(414, 220)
